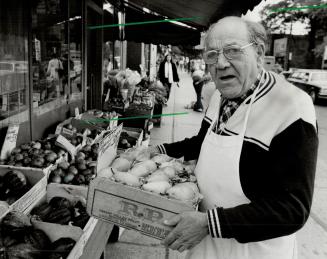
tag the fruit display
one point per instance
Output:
(76, 137)
(116, 105)
(19, 239)
(99, 114)
(38, 154)
(60, 210)
(13, 185)
(78, 172)
(159, 174)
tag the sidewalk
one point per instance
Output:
(133, 245)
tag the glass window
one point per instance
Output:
(147, 48)
(14, 80)
(319, 77)
(50, 47)
(108, 57)
(117, 58)
(75, 63)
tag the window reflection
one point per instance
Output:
(75, 48)
(50, 49)
(13, 60)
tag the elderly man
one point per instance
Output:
(256, 151)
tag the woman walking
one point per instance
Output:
(168, 73)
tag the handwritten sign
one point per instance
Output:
(64, 143)
(108, 147)
(10, 141)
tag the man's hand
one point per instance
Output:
(191, 228)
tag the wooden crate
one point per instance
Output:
(56, 231)
(38, 180)
(132, 208)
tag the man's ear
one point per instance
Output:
(260, 54)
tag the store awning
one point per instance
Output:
(209, 11)
(157, 33)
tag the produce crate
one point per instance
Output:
(80, 125)
(56, 231)
(36, 178)
(132, 208)
(99, 121)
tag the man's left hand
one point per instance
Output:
(191, 228)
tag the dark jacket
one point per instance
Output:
(277, 163)
(161, 72)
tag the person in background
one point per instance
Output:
(55, 68)
(168, 73)
(65, 76)
(199, 78)
(256, 155)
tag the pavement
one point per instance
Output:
(312, 238)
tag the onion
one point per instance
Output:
(157, 187)
(121, 164)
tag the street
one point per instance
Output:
(312, 239)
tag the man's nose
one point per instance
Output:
(222, 61)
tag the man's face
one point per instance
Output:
(233, 77)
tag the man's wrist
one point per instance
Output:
(213, 223)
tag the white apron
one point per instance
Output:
(217, 172)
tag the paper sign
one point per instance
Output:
(10, 141)
(76, 112)
(64, 143)
(58, 130)
(67, 132)
(108, 147)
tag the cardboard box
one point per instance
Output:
(108, 147)
(132, 208)
(56, 231)
(36, 178)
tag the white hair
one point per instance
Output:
(256, 32)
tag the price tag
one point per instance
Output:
(10, 141)
(64, 143)
(67, 132)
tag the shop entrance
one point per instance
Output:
(94, 57)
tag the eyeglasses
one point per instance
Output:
(230, 52)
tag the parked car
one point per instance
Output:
(312, 81)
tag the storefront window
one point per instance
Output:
(75, 37)
(13, 62)
(50, 49)
(108, 57)
(118, 57)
